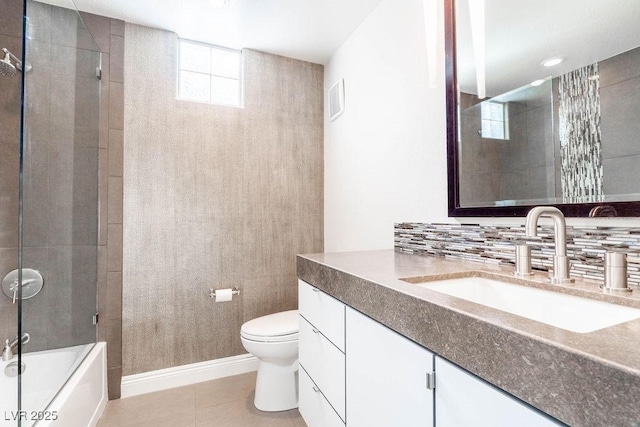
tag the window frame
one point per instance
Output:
(504, 122)
(210, 74)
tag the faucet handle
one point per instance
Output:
(16, 285)
(615, 272)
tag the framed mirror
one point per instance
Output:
(543, 106)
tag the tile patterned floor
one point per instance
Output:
(226, 402)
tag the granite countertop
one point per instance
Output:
(582, 379)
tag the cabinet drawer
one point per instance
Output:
(324, 363)
(322, 311)
(313, 406)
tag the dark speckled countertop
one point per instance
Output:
(590, 379)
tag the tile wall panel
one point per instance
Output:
(213, 197)
(109, 36)
(60, 174)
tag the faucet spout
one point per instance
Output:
(560, 260)
(10, 347)
(559, 226)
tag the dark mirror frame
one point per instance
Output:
(620, 209)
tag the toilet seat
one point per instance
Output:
(279, 338)
(278, 327)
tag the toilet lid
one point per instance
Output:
(283, 326)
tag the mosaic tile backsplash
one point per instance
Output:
(580, 135)
(495, 244)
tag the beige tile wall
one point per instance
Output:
(60, 178)
(213, 197)
(109, 35)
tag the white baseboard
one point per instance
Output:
(147, 382)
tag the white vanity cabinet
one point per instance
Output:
(462, 399)
(322, 360)
(357, 372)
(387, 376)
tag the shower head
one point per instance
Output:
(6, 67)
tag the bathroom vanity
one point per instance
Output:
(377, 348)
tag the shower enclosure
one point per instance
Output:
(49, 141)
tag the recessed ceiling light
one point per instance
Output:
(552, 61)
(538, 82)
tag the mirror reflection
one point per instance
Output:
(548, 110)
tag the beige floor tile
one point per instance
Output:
(240, 413)
(154, 409)
(226, 402)
(224, 390)
(174, 419)
(297, 419)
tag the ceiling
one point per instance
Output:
(309, 30)
(520, 35)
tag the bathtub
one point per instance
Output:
(63, 387)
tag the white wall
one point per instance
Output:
(385, 157)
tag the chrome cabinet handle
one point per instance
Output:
(315, 331)
(316, 389)
(315, 289)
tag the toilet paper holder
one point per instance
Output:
(212, 292)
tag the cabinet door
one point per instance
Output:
(386, 376)
(462, 399)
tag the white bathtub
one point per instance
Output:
(64, 387)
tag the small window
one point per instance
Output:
(494, 120)
(209, 74)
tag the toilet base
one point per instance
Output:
(276, 386)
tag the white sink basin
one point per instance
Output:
(568, 312)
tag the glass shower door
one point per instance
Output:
(59, 199)
(11, 41)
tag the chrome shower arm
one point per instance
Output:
(12, 56)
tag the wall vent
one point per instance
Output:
(336, 100)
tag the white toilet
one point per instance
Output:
(273, 339)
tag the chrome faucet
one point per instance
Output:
(10, 347)
(560, 260)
